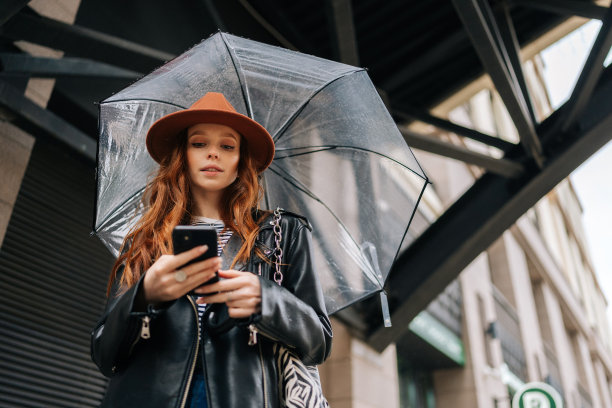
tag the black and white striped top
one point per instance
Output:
(223, 235)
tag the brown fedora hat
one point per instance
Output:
(211, 108)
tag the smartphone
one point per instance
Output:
(185, 237)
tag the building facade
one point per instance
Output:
(529, 309)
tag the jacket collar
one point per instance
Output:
(229, 253)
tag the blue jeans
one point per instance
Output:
(197, 394)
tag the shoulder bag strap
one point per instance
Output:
(278, 251)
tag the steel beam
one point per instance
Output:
(565, 7)
(475, 23)
(508, 36)
(503, 167)
(8, 8)
(214, 13)
(342, 31)
(590, 73)
(84, 42)
(29, 66)
(15, 102)
(409, 114)
(483, 213)
(283, 25)
(420, 65)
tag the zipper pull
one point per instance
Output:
(252, 335)
(145, 332)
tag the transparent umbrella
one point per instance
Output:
(340, 159)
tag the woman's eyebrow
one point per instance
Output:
(204, 133)
(230, 135)
(197, 133)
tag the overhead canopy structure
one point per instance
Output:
(417, 53)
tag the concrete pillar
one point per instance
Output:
(356, 376)
(561, 345)
(518, 274)
(587, 368)
(374, 376)
(478, 384)
(602, 382)
(336, 371)
(15, 149)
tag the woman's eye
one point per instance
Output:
(228, 147)
(198, 144)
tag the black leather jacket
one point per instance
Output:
(156, 372)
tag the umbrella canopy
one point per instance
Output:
(340, 159)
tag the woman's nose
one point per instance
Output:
(213, 154)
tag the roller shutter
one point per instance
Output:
(52, 281)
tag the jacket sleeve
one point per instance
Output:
(295, 313)
(118, 331)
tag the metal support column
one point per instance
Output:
(14, 101)
(409, 114)
(342, 30)
(565, 7)
(84, 42)
(475, 23)
(590, 74)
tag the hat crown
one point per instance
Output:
(211, 108)
(213, 101)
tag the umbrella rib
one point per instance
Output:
(323, 149)
(291, 180)
(143, 99)
(294, 115)
(333, 147)
(416, 205)
(139, 191)
(241, 79)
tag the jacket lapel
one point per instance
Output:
(229, 253)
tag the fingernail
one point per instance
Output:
(204, 248)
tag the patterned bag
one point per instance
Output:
(298, 384)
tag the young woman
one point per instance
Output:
(152, 343)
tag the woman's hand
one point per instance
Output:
(160, 282)
(241, 291)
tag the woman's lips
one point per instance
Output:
(211, 169)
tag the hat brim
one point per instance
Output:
(163, 134)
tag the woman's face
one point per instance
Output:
(213, 153)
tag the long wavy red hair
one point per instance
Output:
(168, 203)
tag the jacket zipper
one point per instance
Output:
(145, 330)
(254, 331)
(263, 376)
(252, 334)
(195, 356)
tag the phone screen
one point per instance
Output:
(185, 237)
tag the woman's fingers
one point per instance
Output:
(166, 280)
(234, 297)
(176, 261)
(231, 273)
(241, 313)
(224, 285)
(200, 278)
(241, 285)
(207, 265)
(241, 291)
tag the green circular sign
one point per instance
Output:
(537, 395)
